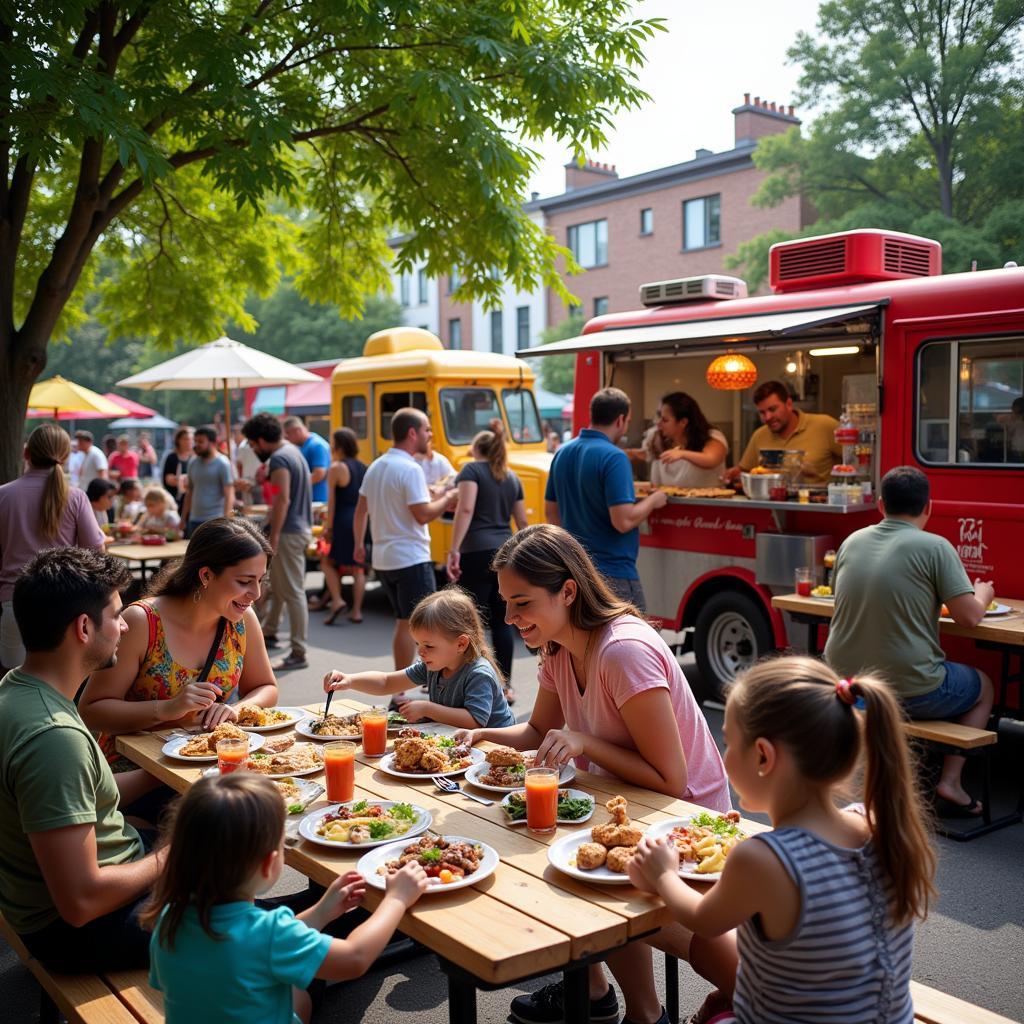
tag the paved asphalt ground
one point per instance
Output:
(972, 945)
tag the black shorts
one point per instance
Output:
(407, 587)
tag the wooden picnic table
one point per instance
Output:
(146, 553)
(525, 920)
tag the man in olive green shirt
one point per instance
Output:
(891, 581)
(786, 427)
(72, 871)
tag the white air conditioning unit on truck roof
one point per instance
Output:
(692, 289)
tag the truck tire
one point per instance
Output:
(731, 633)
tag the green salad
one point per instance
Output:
(718, 824)
(570, 808)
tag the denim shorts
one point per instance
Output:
(406, 587)
(957, 693)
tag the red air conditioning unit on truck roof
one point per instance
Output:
(851, 257)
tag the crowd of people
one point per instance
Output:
(88, 885)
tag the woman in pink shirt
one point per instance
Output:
(38, 511)
(612, 699)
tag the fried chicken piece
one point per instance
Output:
(409, 752)
(433, 761)
(590, 856)
(250, 714)
(198, 746)
(619, 831)
(619, 858)
(504, 757)
(278, 744)
(224, 731)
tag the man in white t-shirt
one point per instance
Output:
(93, 463)
(436, 468)
(394, 497)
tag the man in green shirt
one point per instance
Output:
(72, 871)
(891, 581)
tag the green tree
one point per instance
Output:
(921, 128)
(176, 138)
(558, 373)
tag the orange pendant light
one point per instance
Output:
(731, 372)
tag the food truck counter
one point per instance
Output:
(742, 502)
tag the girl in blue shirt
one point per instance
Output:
(217, 956)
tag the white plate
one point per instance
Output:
(307, 827)
(302, 728)
(820, 597)
(294, 713)
(662, 828)
(577, 794)
(1000, 609)
(387, 765)
(565, 776)
(370, 862)
(308, 791)
(173, 745)
(563, 851)
(317, 711)
(292, 775)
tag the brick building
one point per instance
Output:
(676, 221)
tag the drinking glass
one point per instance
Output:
(340, 769)
(804, 581)
(232, 754)
(375, 731)
(541, 799)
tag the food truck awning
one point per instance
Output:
(752, 327)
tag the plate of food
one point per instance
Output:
(503, 770)
(364, 823)
(252, 718)
(202, 746)
(451, 862)
(822, 593)
(423, 756)
(603, 853)
(280, 759)
(331, 727)
(703, 841)
(395, 722)
(994, 608)
(297, 794)
(574, 807)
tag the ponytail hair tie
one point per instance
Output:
(844, 691)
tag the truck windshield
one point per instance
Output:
(521, 411)
(467, 411)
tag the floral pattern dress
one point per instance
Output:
(160, 677)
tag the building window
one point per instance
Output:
(646, 221)
(455, 333)
(454, 280)
(601, 305)
(421, 285)
(702, 222)
(575, 310)
(496, 341)
(523, 326)
(403, 289)
(589, 243)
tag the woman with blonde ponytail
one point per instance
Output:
(825, 903)
(39, 511)
(490, 495)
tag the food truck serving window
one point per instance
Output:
(521, 411)
(970, 402)
(467, 411)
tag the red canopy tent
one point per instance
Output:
(135, 410)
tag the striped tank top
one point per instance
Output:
(845, 962)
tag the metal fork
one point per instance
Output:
(451, 786)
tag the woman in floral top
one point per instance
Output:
(153, 683)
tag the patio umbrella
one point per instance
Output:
(135, 411)
(65, 400)
(154, 422)
(222, 363)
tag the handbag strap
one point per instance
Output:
(214, 647)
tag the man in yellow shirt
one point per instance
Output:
(786, 427)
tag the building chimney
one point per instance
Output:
(754, 120)
(589, 174)
(746, 99)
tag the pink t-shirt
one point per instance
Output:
(20, 539)
(627, 657)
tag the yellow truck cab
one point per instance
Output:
(460, 390)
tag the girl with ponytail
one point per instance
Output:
(490, 496)
(39, 511)
(825, 903)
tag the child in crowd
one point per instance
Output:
(464, 684)
(161, 513)
(824, 903)
(217, 956)
(128, 504)
(101, 497)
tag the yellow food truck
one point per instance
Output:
(460, 390)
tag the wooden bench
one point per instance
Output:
(934, 1007)
(122, 997)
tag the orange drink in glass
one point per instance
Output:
(375, 731)
(232, 754)
(541, 799)
(340, 768)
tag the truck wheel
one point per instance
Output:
(731, 633)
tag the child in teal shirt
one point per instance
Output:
(217, 956)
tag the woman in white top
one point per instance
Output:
(692, 453)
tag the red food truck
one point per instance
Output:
(922, 369)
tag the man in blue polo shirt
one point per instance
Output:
(590, 493)
(315, 450)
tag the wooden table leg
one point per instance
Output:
(461, 997)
